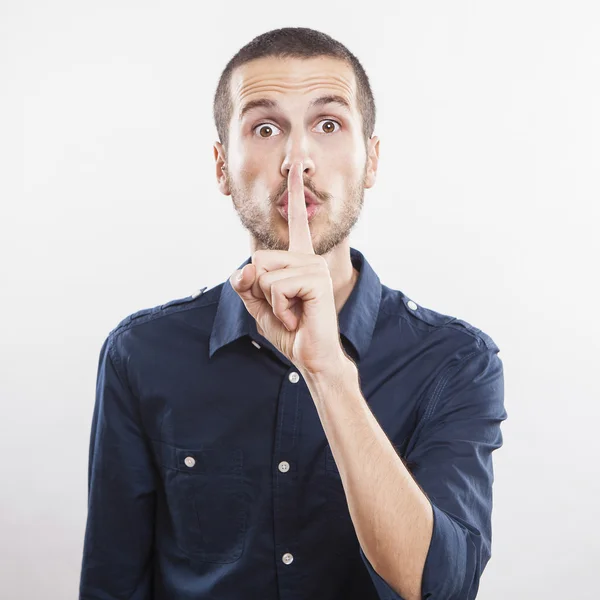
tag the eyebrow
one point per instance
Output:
(268, 103)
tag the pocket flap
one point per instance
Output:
(199, 459)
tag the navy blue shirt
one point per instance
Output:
(210, 475)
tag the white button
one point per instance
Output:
(287, 558)
(294, 377)
(412, 305)
(284, 466)
(196, 293)
(189, 461)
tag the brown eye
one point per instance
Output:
(329, 128)
(265, 130)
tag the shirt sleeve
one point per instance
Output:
(119, 531)
(450, 457)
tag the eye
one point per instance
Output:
(267, 126)
(331, 121)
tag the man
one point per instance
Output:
(300, 431)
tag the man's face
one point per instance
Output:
(265, 141)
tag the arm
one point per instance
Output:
(116, 560)
(391, 515)
(452, 458)
(427, 537)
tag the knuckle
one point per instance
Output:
(263, 279)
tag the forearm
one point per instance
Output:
(392, 517)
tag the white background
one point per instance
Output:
(486, 207)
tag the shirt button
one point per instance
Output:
(412, 305)
(287, 558)
(189, 461)
(284, 466)
(294, 377)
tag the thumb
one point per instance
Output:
(242, 281)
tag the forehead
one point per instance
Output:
(276, 78)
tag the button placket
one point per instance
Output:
(285, 493)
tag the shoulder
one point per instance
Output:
(196, 299)
(428, 319)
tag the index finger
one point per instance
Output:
(299, 231)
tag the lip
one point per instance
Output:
(309, 198)
(312, 210)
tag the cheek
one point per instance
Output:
(251, 167)
(243, 159)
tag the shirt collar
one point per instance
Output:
(356, 319)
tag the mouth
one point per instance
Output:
(311, 210)
(309, 199)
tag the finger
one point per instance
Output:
(256, 290)
(265, 261)
(244, 286)
(283, 310)
(269, 278)
(284, 291)
(299, 230)
(260, 309)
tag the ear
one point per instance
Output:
(221, 169)
(373, 162)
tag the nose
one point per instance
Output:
(307, 166)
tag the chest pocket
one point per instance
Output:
(205, 493)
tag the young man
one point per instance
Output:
(303, 431)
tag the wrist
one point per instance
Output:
(339, 368)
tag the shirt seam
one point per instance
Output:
(445, 377)
(122, 327)
(439, 386)
(450, 324)
(118, 365)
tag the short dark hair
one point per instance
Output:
(292, 42)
